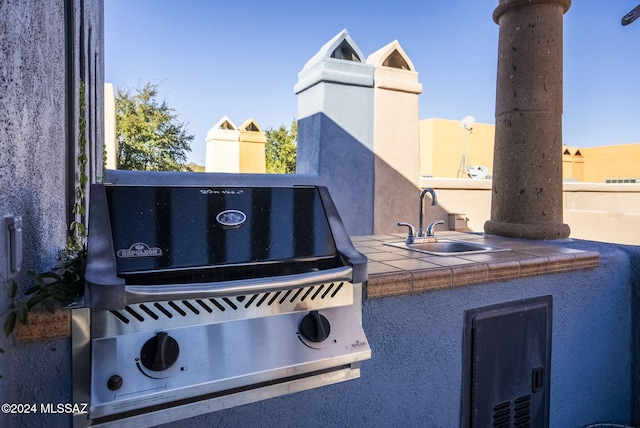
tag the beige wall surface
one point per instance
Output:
(252, 157)
(110, 140)
(236, 150)
(443, 143)
(396, 136)
(619, 161)
(593, 211)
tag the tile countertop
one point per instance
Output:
(395, 271)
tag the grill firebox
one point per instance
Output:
(213, 316)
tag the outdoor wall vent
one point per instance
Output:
(251, 127)
(227, 125)
(346, 52)
(622, 180)
(396, 60)
(506, 365)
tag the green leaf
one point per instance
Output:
(47, 304)
(13, 288)
(23, 313)
(50, 275)
(37, 278)
(37, 299)
(32, 290)
(10, 323)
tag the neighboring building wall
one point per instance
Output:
(572, 164)
(47, 49)
(110, 139)
(618, 162)
(427, 138)
(223, 147)
(443, 143)
(233, 149)
(252, 141)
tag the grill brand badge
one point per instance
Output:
(137, 250)
(231, 219)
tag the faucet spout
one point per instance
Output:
(434, 201)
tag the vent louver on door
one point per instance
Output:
(506, 365)
(516, 413)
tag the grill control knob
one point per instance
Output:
(160, 352)
(315, 327)
(114, 383)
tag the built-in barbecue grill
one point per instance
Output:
(203, 298)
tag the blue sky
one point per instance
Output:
(241, 58)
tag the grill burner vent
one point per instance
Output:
(137, 316)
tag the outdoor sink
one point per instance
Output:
(448, 247)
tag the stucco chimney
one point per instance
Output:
(335, 128)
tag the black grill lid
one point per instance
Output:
(174, 228)
(156, 235)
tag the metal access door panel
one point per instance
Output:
(507, 364)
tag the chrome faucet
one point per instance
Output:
(434, 202)
(423, 235)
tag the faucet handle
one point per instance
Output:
(412, 232)
(431, 227)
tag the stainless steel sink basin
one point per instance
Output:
(448, 247)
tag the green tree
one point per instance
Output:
(150, 136)
(281, 149)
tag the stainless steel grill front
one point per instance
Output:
(200, 299)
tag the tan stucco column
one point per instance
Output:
(527, 167)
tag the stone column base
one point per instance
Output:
(527, 231)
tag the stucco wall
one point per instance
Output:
(32, 130)
(396, 139)
(32, 151)
(39, 113)
(595, 211)
(634, 253)
(415, 374)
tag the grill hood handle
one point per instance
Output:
(125, 295)
(341, 238)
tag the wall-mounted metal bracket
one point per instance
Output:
(13, 244)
